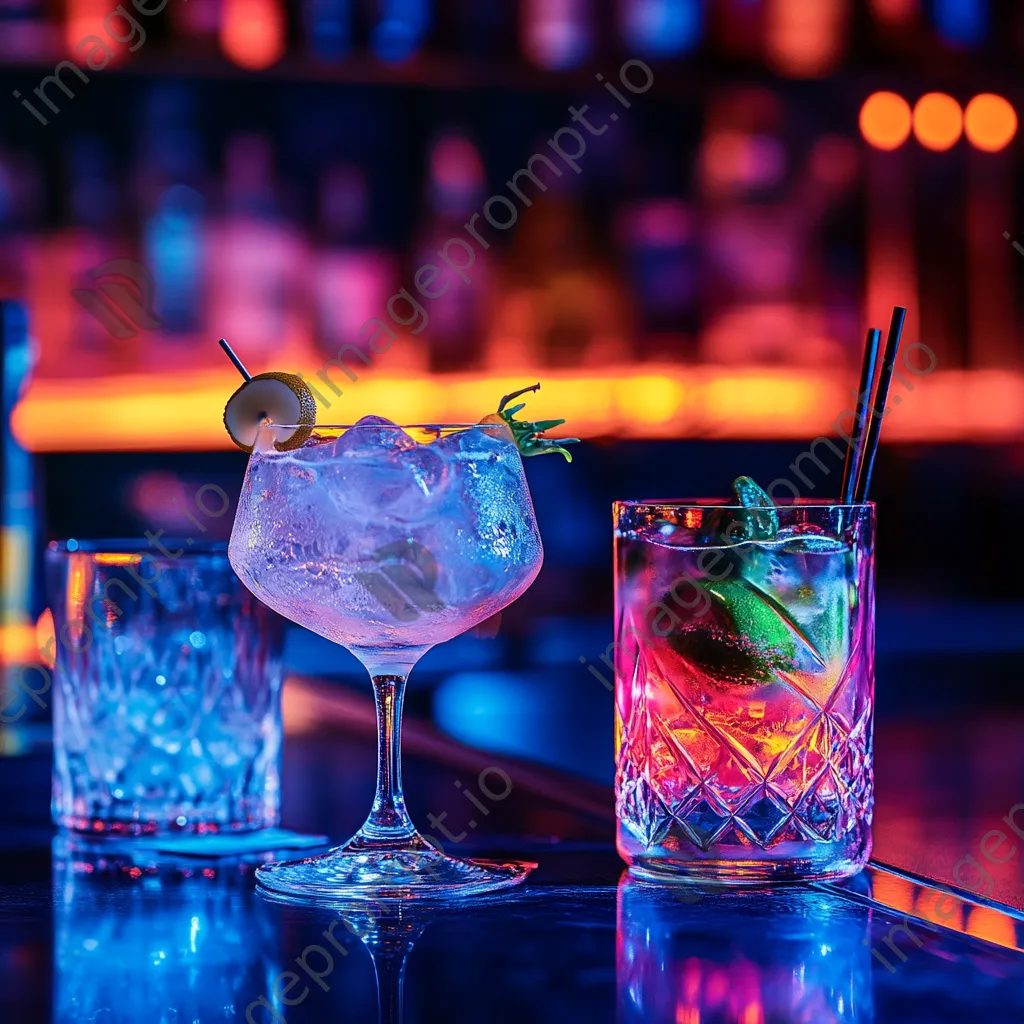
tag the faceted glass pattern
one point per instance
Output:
(166, 692)
(744, 693)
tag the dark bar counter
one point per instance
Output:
(932, 931)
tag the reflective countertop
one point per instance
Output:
(104, 934)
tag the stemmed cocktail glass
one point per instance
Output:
(387, 540)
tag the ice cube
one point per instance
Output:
(487, 531)
(811, 581)
(313, 452)
(476, 444)
(373, 432)
(428, 468)
(377, 469)
(495, 496)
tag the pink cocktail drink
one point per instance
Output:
(744, 690)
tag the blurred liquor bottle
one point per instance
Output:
(478, 32)
(170, 186)
(455, 299)
(661, 28)
(22, 188)
(75, 288)
(85, 21)
(557, 34)
(327, 25)
(401, 28)
(197, 23)
(26, 34)
(352, 280)
(658, 238)
(561, 303)
(803, 40)
(894, 17)
(253, 33)
(737, 27)
(762, 210)
(258, 260)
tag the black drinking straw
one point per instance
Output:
(855, 453)
(231, 355)
(892, 344)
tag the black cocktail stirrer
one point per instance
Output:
(892, 344)
(855, 453)
(231, 355)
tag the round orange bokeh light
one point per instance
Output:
(990, 122)
(938, 121)
(885, 120)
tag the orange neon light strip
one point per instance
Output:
(183, 411)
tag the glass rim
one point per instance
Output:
(137, 546)
(732, 506)
(385, 426)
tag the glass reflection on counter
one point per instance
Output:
(131, 935)
(740, 957)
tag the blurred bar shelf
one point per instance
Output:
(422, 70)
(181, 410)
(433, 68)
(693, 79)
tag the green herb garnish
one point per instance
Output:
(527, 434)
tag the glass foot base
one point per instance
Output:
(726, 874)
(358, 870)
(676, 859)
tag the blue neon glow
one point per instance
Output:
(534, 715)
(964, 22)
(184, 939)
(401, 29)
(660, 28)
(173, 241)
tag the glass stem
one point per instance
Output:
(390, 973)
(389, 822)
